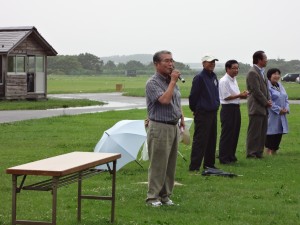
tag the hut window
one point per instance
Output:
(40, 64)
(1, 69)
(31, 64)
(11, 64)
(16, 64)
(20, 63)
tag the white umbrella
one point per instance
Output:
(125, 137)
(188, 122)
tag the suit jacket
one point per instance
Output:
(258, 92)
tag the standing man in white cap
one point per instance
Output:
(204, 102)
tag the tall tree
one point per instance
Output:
(66, 64)
(90, 61)
(134, 65)
(110, 65)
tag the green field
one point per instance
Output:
(267, 192)
(132, 86)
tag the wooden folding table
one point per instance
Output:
(64, 169)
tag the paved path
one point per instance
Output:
(115, 101)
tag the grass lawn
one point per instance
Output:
(267, 192)
(132, 86)
(51, 103)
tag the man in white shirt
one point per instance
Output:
(230, 114)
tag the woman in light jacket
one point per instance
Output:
(277, 121)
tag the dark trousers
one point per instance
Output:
(273, 141)
(231, 123)
(256, 135)
(204, 140)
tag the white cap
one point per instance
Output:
(209, 58)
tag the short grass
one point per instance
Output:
(132, 86)
(267, 192)
(51, 103)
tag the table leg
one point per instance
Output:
(54, 198)
(14, 199)
(113, 194)
(79, 197)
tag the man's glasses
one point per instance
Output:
(167, 61)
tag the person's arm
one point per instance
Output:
(287, 104)
(254, 88)
(194, 94)
(242, 95)
(182, 123)
(275, 107)
(166, 97)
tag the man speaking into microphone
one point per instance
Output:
(164, 112)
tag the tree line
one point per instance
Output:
(89, 64)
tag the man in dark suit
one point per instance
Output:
(258, 104)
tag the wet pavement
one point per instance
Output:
(114, 101)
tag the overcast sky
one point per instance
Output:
(228, 29)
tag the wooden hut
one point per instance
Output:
(23, 63)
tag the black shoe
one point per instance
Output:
(193, 169)
(233, 159)
(255, 156)
(226, 162)
(210, 167)
(259, 156)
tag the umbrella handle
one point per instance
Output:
(138, 163)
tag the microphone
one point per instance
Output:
(182, 79)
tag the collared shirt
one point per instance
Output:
(204, 92)
(261, 70)
(228, 86)
(156, 86)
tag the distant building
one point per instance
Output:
(130, 73)
(23, 63)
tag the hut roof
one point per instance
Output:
(11, 37)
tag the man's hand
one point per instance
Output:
(269, 104)
(175, 75)
(244, 94)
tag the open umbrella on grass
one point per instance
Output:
(125, 137)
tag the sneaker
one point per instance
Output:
(154, 204)
(169, 202)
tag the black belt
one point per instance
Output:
(230, 105)
(166, 122)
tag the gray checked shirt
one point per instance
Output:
(155, 87)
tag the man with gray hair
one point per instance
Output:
(164, 112)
